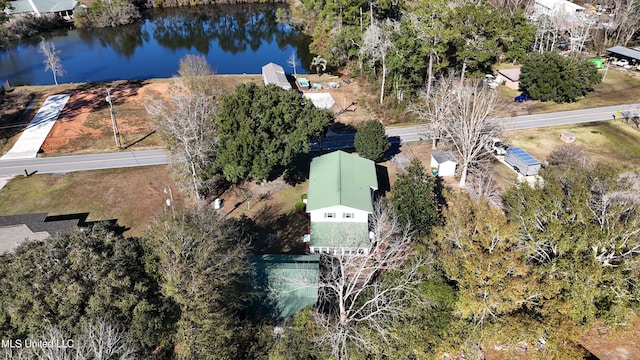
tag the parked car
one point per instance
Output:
(622, 62)
(490, 81)
(496, 146)
(524, 96)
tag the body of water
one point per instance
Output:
(235, 39)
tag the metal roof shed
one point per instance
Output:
(287, 283)
(444, 163)
(274, 74)
(522, 161)
(626, 52)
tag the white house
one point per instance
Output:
(444, 163)
(339, 202)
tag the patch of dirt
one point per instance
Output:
(85, 123)
(349, 108)
(611, 344)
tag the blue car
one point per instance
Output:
(524, 96)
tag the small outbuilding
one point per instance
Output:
(286, 284)
(622, 52)
(274, 74)
(443, 164)
(511, 77)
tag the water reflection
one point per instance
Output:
(123, 40)
(234, 38)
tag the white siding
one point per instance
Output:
(340, 214)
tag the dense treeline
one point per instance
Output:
(419, 39)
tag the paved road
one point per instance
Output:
(64, 164)
(415, 133)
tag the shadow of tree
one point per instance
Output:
(384, 185)
(298, 171)
(93, 95)
(273, 232)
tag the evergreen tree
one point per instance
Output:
(73, 279)
(413, 196)
(263, 127)
(551, 76)
(371, 141)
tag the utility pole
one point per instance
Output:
(116, 133)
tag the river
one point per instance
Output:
(235, 39)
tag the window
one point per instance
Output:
(330, 215)
(348, 215)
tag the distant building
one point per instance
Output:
(16, 229)
(570, 13)
(511, 77)
(555, 7)
(274, 74)
(62, 8)
(339, 202)
(622, 52)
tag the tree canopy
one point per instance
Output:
(263, 127)
(551, 76)
(74, 279)
(413, 197)
(371, 141)
(200, 261)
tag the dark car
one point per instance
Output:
(524, 96)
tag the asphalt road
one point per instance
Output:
(415, 133)
(64, 164)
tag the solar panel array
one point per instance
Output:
(523, 155)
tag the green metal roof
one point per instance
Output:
(339, 178)
(340, 234)
(288, 283)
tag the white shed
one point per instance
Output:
(274, 74)
(444, 163)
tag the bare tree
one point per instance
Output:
(512, 5)
(434, 107)
(377, 44)
(615, 205)
(470, 127)
(102, 340)
(51, 59)
(98, 340)
(186, 120)
(625, 23)
(354, 301)
(482, 185)
(293, 62)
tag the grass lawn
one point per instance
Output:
(615, 143)
(280, 225)
(619, 87)
(132, 196)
